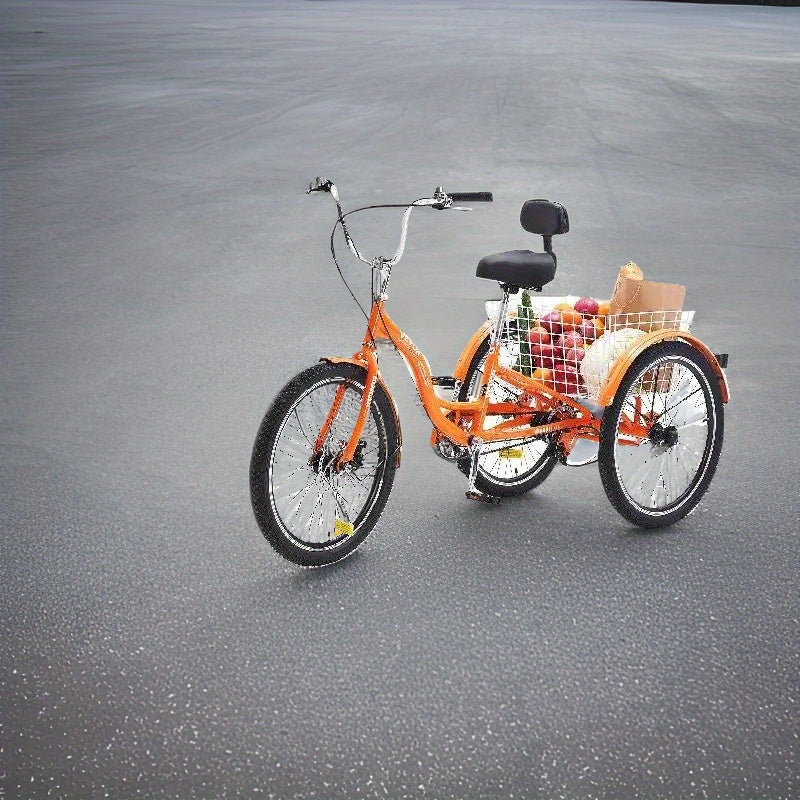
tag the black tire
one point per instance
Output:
(680, 391)
(498, 475)
(310, 513)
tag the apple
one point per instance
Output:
(551, 322)
(574, 355)
(543, 355)
(588, 329)
(565, 378)
(539, 335)
(570, 340)
(587, 305)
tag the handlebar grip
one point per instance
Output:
(471, 197)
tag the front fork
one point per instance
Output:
(366, 359)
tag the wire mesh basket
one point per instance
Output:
(572, 352)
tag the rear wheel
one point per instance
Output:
(511, 468)
(311, 512)
(656, 479)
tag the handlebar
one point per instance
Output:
(471, 197)
(440, 201)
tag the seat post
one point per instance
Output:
(501, 316)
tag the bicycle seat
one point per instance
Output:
(521, 268)
(524, 268)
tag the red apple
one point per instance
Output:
(539, 335)
(587, 305)
(571, 339)
(543, 355)
(552, 322)
(574, 355)
(565, 378)
(588, 329)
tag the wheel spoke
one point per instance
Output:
(686, 462)
(677, 403)
(346, 506)
(694, 419)
(288, 480)
(294, 507)
(302, 431)
(317, 504)
(642, 476)
(293, 448)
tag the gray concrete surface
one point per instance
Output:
(163, 275)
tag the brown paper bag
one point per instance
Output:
(650, 305)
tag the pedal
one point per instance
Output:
(484, 498)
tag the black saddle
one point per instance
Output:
(524, 268)
(518, 268)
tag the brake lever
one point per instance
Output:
(443, 201)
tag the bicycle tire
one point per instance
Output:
(308, 511)
(659, 480)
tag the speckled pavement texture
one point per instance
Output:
(162, 275)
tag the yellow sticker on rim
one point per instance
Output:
(511, 452)
(343, 528)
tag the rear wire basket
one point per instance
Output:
(571, 352)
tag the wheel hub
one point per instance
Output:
(326, 461)
(323, 461)
(661, 436)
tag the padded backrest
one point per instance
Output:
(544, 217)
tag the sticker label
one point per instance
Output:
(511, 452)
(342, 528)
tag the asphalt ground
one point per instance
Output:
(163, 275)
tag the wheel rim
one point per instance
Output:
(317, 506)
(660, 472)
(510, 462)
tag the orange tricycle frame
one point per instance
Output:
(463, 422)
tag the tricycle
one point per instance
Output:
(545, 380)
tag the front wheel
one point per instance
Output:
(312, 512)
(656, 478)
(511, 468)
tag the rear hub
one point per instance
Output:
(661, 436)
